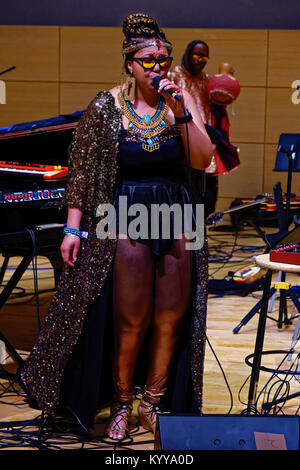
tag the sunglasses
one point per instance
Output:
(197, 56)
(150, 62)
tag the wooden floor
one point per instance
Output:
(226, 380)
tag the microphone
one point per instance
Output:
(156, 80)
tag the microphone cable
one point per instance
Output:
(156, 81)
(193, 196)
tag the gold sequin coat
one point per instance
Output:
(92, 179)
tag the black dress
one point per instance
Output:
(153, 179)
(156, 177)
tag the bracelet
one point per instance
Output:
(183, 120)
(71, 232)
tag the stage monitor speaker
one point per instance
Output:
(227, 432)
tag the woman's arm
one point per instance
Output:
(79, 187)
(200, 146)
(70, 246)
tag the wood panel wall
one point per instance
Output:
(60, 69)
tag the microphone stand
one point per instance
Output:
(8, 70)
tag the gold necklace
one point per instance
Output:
(148, 128)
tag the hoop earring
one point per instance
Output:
(129, 92)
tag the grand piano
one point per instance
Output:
(33, 178)
(33, 171)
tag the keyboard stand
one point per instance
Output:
(48, 239)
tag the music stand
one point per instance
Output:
(287, 159)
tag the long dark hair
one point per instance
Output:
(186, 55)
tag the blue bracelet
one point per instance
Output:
(73, 231)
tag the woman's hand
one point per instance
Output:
(197, 143)
(69, 249)
(70, 246)
(174, 104)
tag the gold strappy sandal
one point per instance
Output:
(148, 414)
(118, 422)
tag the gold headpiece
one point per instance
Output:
(140, 30)
(136, 45)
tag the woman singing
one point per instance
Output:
(129, 311)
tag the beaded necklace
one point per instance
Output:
(147, 127)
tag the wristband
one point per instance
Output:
(70, 231)
(183, 120)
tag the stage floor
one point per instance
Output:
(226, 378)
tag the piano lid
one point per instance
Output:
(43, 141)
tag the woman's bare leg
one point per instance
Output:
(172, 295)
(133, 306)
